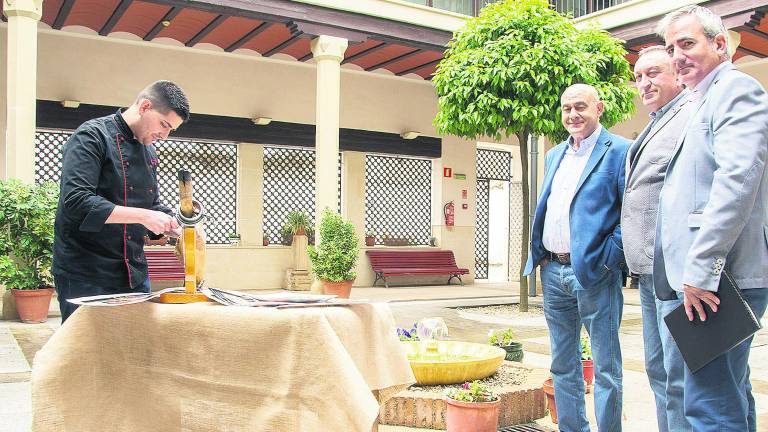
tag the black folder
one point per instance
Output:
(700, 342)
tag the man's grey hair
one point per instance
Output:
(584, 87)
(652, 49)
(711, 23)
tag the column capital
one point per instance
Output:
(329, 47)
(26, 8)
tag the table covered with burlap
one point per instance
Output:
(205, 367)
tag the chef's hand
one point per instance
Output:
(159, 222)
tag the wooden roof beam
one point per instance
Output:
(116, 15)
(170, 15)
(64, 11)
(395, 59)
(204, 32)
(251, 34)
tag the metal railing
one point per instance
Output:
(472, 7)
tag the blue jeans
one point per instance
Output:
(68, 288)
(719, 396)
(663, 361)
(568, 305)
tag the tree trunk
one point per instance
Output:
(523, 138)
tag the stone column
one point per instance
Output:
(23, 16)
(328, 52)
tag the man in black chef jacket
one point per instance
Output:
(109, 198)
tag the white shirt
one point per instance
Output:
(557, 219)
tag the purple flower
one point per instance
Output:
(465, 386)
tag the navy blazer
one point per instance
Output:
(595, 212)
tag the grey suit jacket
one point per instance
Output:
(712, 213)
(644, 182)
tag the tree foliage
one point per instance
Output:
(504, 72)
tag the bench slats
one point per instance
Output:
(162, 264)
(414, 263)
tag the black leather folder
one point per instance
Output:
(700, 342)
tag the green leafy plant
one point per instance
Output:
(586, 348)
(286, 235)
(27, 215)
(504, 72)
(233, 235)
(335, 257)
(501, 338)
(471, 392)
(297, 222)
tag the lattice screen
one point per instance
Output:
(289, 184)
(48, 145)
(491, 165)
(398, 196)
(481, 229)
(213, 167)
(214, 173)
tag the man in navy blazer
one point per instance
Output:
(713, 211)
(576, 239)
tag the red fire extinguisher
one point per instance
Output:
(448, 212)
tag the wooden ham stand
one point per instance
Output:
(189, 214)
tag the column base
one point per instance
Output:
(298, 280)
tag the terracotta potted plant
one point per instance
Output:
(505, 340)
(549, 390)
(297, 222)
(587, 365)
(265, 240)
(27, 214)
(370, 238)
(473, 407)
(334, 258)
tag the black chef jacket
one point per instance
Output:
(103, 166)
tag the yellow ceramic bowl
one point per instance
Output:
(453, 362)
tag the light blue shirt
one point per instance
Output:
(557, 232)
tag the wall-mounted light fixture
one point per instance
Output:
(261, 121)
(67, 103)
(410, 135)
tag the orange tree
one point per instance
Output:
(503, 73)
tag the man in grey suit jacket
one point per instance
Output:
(647, 161)
(712, 212)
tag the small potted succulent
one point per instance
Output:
(587, 364)
(297, 222)
(505, 340)
(233, 237)
(472, 407)
(370, 238)
(265, 240)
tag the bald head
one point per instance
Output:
(581, 110)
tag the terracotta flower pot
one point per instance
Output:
(549, 390)
(472, 416)
(33, 304)
(341, 289)
(370, 240)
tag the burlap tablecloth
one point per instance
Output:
(203, 367)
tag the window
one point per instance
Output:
(289, 184)
(398, 199)
(213, 166)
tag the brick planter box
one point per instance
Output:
(519, 404)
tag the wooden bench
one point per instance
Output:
(414, 263)
(163, 265)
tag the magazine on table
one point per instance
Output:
(279, 300)
(121, 299)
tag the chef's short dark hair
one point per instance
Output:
(166, 96)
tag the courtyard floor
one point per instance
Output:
(19, 342)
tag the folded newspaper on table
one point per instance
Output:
(279, 300)
(120, 299)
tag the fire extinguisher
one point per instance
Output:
(448, 212)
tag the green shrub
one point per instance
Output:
(334, 258)
(27, 214)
